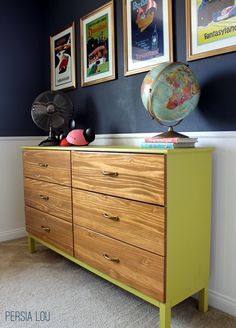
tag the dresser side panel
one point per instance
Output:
(189, 179)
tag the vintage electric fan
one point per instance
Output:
(51, 111)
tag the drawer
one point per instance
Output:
(55, 231)
(137, 223)
(139, 269)
(48, 197)
(51, 166)
(133, 176)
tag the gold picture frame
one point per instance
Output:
(97, 44)
(210, 30)
(148, 36)
(62, 59)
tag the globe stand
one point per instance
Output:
(170, 133)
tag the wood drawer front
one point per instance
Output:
(49, 165)
(136, 223)
(136, 176)
(48, 197)
(137, 268)
(50, 229)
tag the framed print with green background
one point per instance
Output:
(97, 46)
(147, 26)
(210, 28)
(62, 58)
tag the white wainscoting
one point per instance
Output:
(11, 183)
(222, 289)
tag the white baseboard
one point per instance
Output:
(222, 302)
(12, 234)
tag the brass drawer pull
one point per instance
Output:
(44, 197)
(110, 217)
(110, 173)
(112, 259)
(43, 164)
(47, 229)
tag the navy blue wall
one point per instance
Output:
(21, 64)
(110, 107)
(116, 107)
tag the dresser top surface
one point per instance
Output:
(122, 149)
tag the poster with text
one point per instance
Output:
(98, 46)
(212, 27)
(148, 34)
(97, 52)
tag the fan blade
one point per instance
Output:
(63, 111)
(57, 121)
(39, 115)
(37, 107)
(43, 123)
(45, 97)
(62, 102)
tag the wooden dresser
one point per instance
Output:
(139, 218)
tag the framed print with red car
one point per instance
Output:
(97, 44)
(62, 58)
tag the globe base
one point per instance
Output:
(171, 134)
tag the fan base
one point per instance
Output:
(48, 142)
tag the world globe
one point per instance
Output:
(170, 92)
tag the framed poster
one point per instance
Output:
(62, 57)
(148, 40)
(97, 46)
(210, 27)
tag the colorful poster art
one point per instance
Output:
(62, 53)
(98, 46)
(97, 52)
(62, 60)
(213, 27)
(147, 29)
(148, 34)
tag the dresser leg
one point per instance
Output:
(31, 245)
(165, 316)
(203, 300)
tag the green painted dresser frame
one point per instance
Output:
(188, 212)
